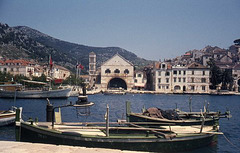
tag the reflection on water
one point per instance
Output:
(37, 108)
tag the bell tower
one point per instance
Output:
(92, 63)
(92, 69)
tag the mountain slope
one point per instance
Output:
(24, 42)
(80, 52)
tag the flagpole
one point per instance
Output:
(76, 73)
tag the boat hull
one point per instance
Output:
(7, 119)
(187, 122)
(61, 93)
(32, 133)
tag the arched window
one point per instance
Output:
(167, 73)
(107, 71)
(117, 71)
(126, 71)
(177, 87)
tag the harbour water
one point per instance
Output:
(36, 108)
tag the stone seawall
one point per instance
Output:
(24, 147)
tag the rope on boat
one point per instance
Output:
(231, 142)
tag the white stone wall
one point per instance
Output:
(139, 80)
(182, 80)
(179, 79)
(198, 80)
(117, 62)
(163, 79)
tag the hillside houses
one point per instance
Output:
(32, 69)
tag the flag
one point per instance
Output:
(80, 66)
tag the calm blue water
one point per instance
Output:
(231, 128)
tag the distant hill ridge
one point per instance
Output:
(25, 42)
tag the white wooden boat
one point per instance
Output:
(12, 90)
(7, 117)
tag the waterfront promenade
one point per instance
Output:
(24, 147)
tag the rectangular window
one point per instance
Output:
(184, 79)
(203, 88)
(167, 87)
(159, 80)
(179, 79)
(192, 88)
(91, 67)
(203, 73)
(167, 74)
(5, 69)
(135, 81)
(139, 75)
(192, 80)
(91, 59)
(163, 66)
(192, 72)
(203, 80)
(159, 73)
(159, 87)
(175, 79)
(167, 80)
(184, 72)
(12, 69)
(174, 72)
(179, 72)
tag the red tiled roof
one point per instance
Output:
(22, 62)
(195, 65)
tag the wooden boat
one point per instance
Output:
(124, 139)
(176, 117)
(7, 117)
(115, 137)
(12, 90)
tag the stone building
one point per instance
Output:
(117, 72)
(193, 78)
(60, 72)
(140, 80)
(198, 78)
(17, 67)
(162, 78)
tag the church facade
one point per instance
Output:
(117, 72)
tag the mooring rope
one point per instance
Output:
(231, 142)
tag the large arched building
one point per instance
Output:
(117, 72)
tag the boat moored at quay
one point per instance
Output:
(124, 136)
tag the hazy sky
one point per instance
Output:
(152, 29)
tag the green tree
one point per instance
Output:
(42, 78)
(5, 77)
(227, 79)
(215, 74)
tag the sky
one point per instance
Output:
(152, 29)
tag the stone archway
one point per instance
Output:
(117, 83)
(177, 87)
